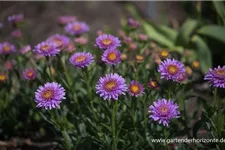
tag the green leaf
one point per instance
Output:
(156, 35)
(185, 32)
(220, 9)
(67, 140)
(213, 31)
(204, 53)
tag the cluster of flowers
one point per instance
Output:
(112, 85)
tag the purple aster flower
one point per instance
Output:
(81, 59)
(171, 69)
(111, 56)
(111, 86)
(16, 18)
(25, 49)
(133, 23)
(50, 95)
(107, 41)
(16, 33)
(163, 111)
(7, 48)
(135, 88)
(76, 28)
(216, 77)
(60, 41)
(63, 20)
(29, 74)
(47, 49)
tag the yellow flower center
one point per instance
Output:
(220, 72)
(188, 70)
(48, 94)
(30, 73)
(110, 85)
(134, 89)
(80, 59)
(76, 27)
(164, 110)
(2, 77)
(139, 58)
(45, 47)
(153, 83)
(58, 42)
(107, 41)
(195, 64)
(112, 56)
(123, 56)
(6, 48)
(164, 53)
(172, 69)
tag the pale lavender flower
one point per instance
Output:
(47, 49)
(111, 56)
(107, 41)
(171, 69)
(216, 77)
(81, 59)
(163, 111)
(76, 28)
(111, 86)
(50, 95)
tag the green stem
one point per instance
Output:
(114, 145)
(145, 113)
(87, 79)
(165, 136)
(134, 121)
(218, 113)
(49, 68)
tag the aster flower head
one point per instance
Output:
(135, 88)
(60, 41)
(216, 77)
(76, 28)
(123, 57)
(16, 33)
(8, 65)
(164, 54)
(50, 95)
(153, 84)
(7, 48)
(17, 18)
(63, 20)
(143, 37)
(81, 40)
(163, 111)
(139, 58)
(47, 49)
(188, 71)
(170, 69)
(71, 47)
(111, 56)
(29, 74)
(132, 46)
(107, 41)
(196, 64)
(25, 49)
(133, 23)
(81, 59)
(111, 86)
